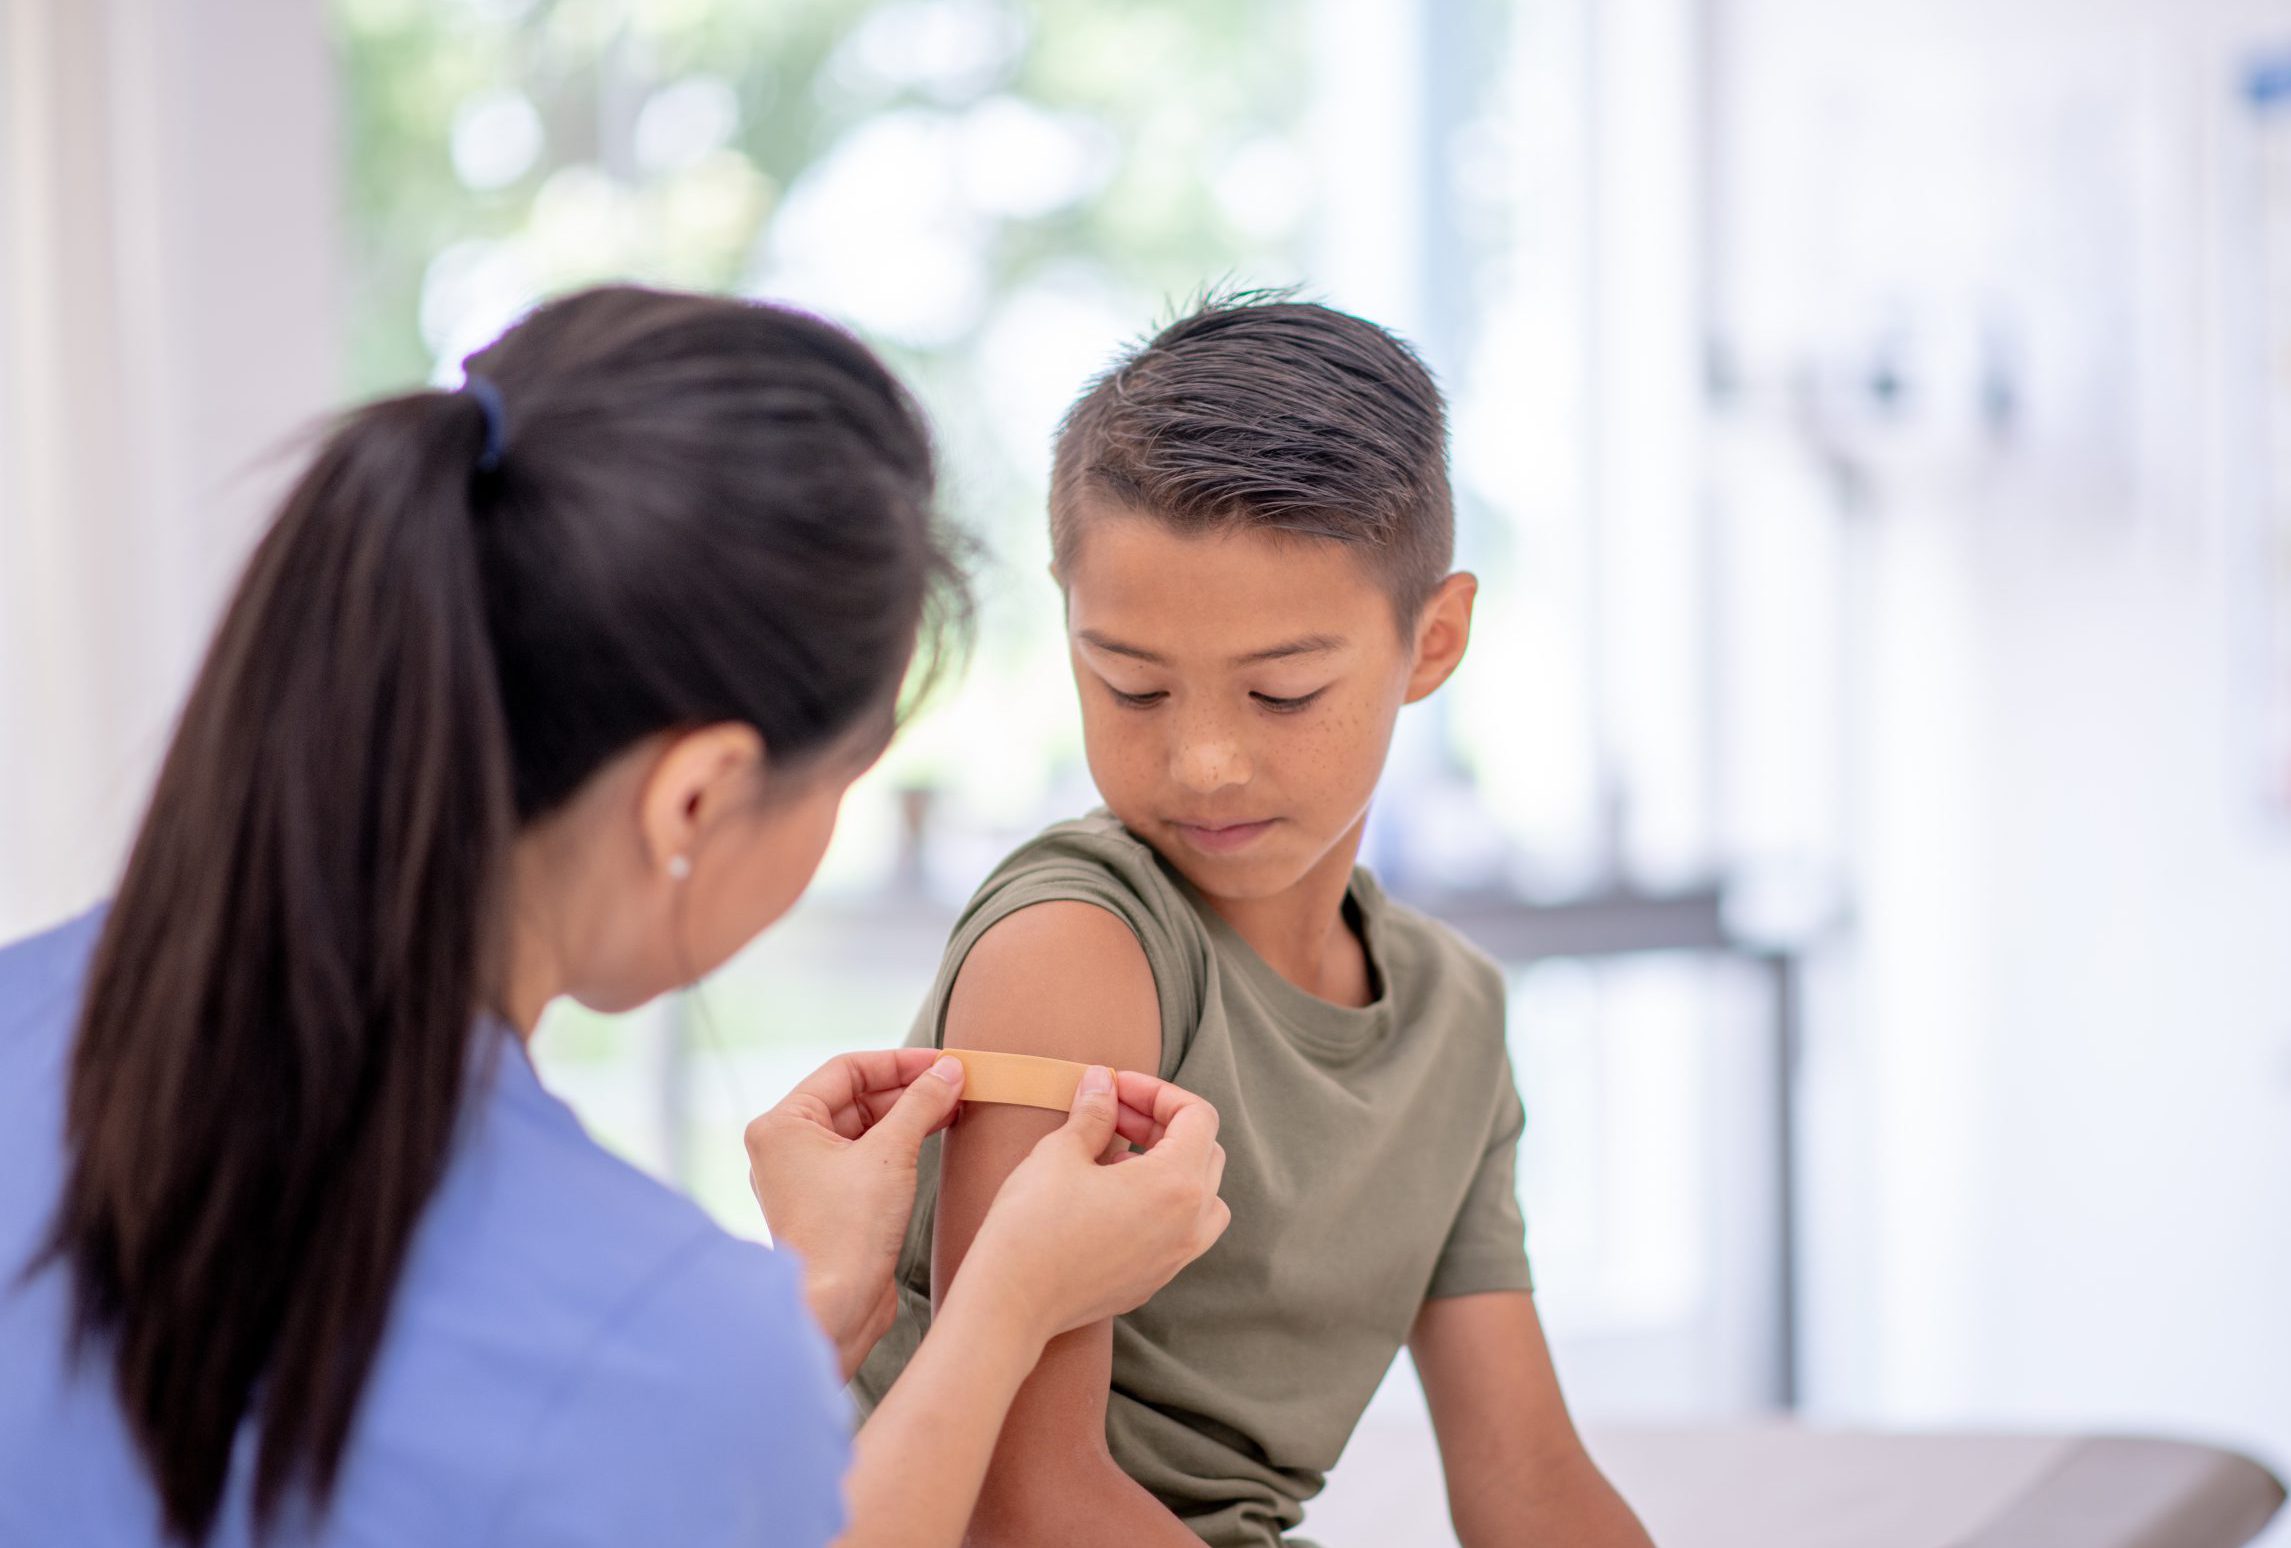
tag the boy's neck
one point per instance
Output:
(1302, 933)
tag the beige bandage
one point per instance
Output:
(1019, 1080)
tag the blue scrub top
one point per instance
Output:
(576, 1354)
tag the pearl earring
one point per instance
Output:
(679, 867)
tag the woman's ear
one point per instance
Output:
(1443, 629)
(697, 778)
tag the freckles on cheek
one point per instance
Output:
(1345, 755)
(1118, 756)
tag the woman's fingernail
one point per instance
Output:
(1096, 1079)
(949, 1069)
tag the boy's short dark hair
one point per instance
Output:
(1256, 410)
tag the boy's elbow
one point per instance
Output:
(1008, 1519)
(1033, 1505)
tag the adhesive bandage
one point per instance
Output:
(1019, 1080)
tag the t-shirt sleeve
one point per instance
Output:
(1054, 875)
(708, 1415)
(1487, 1245)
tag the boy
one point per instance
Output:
(1251, 522)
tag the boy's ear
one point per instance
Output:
(1443, 629)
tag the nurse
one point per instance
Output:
(548, 687)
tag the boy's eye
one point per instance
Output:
(1136, 700)
(1281, 706)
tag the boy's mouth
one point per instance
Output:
(1222, 838)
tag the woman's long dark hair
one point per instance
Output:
(703, 511)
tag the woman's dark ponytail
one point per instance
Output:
(705, 511)
(275, 1034)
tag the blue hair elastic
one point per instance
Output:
(488, 398)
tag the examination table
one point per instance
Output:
(1781, 1486)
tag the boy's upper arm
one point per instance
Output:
(1064, 980)
(1061, 980)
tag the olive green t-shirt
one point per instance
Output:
(1369, 1168)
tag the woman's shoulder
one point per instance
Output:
(706, 1411)
(41, 982)
(41, 975)
(725, 1324)
(601, 1339)
(534, 1209)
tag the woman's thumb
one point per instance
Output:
(923, 1108)
(1091, 1124)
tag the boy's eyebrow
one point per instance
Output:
(1305, 645)
(1113, 647)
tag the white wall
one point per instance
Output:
(167, 319)
(2052, 1140)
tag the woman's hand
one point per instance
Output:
(833, 1166)
(1081, 1229)
(1084, 1228)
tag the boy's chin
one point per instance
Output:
(1243, 877)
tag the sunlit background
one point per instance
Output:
(1872, 427)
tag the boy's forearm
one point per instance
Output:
(1053, 1482)
(1524, 1490)
(1517, 1472)
(1077, 1506)
(918, 1462)
(1578, 1508)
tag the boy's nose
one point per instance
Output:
(1210, 764)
